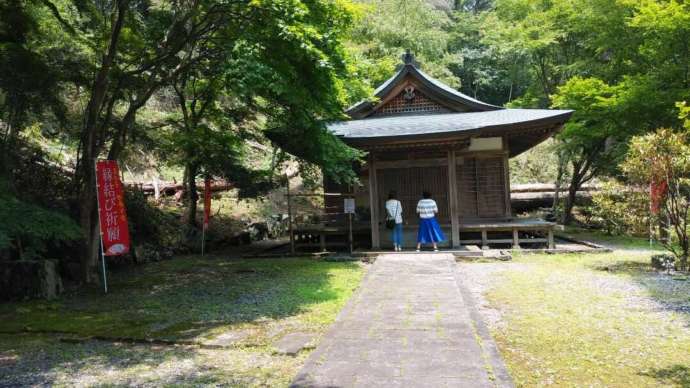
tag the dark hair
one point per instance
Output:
(392, 194)
(426, 194)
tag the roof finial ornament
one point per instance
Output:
(408, 58)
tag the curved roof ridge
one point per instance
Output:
(455, 92)
(359, 110)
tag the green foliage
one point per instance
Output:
(386, 28)
(621, 209)
(537, 165)
(587, 137)
(32, 232)
(684, 114)
(664, 156)
(149, 223)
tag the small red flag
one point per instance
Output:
(207, 202)
(111, 209)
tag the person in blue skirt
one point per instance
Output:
(429, 229)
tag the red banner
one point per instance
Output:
(207, 202)
(111, 209)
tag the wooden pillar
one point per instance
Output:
(485, 240)
(552, 245)
(322, 241)
(506, 172)
(453, 200)
(374, 204)
(516, 239)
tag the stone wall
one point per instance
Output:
(29, 279)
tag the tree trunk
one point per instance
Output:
(85, 172)
(87, 221)
(570, 201)
(192, 194)
(558, 183)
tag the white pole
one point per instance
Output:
(100, 232)
(651, 217)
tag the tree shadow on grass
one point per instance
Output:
(41, 360)
(623, 266)
(669, 292)
(676, 375)
(186, 297)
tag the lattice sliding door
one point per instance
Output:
(482, 188)
(491, 183)
(409, 184)
(467, 188)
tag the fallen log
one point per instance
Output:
(526, 201)
(547, 187)
(171, 188)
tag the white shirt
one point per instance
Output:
(394, 210)
(427, 208)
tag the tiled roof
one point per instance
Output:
(434, 84)
(410, 125)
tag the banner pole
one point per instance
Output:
(105, 278)
(100, 232)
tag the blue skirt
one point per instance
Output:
(429, 231)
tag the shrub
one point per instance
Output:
(151, 227)
(664, 157)
(30, 232)
(621, 209)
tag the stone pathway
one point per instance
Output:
(411, 324)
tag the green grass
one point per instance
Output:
(592, 320)
(188, 298)
(615, 241)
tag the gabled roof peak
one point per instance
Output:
(451, 99)
(408, 58)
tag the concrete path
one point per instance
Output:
(410, 324)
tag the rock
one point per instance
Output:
(258, 231)
(228, 338)
(29, 279)
(146, 253)
(293, 343)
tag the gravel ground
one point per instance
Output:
(478, 278)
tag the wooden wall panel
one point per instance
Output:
(482, 190)
(491, 186)
(467, 188)
(409, 184)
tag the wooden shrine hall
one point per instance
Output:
(421, 134)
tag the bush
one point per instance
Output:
(30, 232)
(151, 228)
(620, 209)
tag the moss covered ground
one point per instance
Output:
(590, 319)
(184, 299)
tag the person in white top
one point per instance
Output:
(394, 220)
(429, 229)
